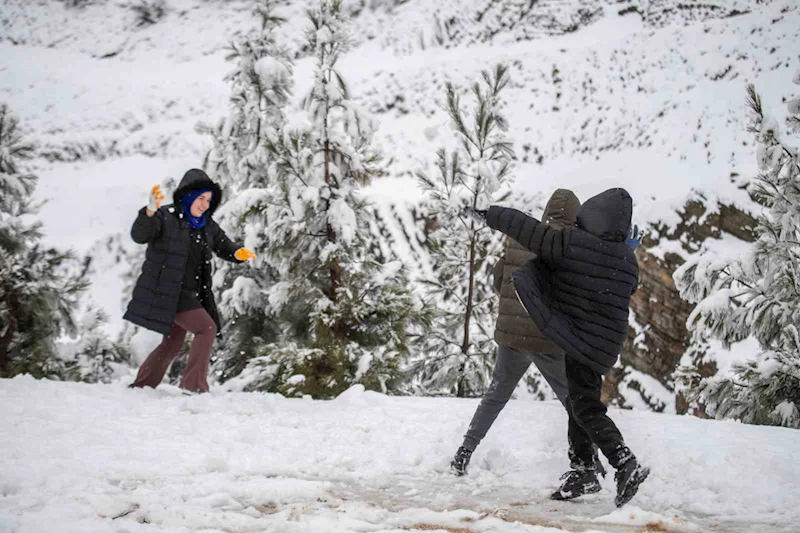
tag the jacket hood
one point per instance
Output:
(194, 180)
(561, 209)
(607, 215)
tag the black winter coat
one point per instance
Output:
(157, 291)
(582, 305)
(515, 328)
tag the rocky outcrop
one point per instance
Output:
(658, 345)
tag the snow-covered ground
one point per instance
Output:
(82, 458)
(113, 108)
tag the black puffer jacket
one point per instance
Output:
(582, 305)
(155, 297)
(515, 328)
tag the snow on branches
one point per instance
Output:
(756, 294)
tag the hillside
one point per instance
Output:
(646, 96)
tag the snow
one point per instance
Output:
(270, 71)
(100, 458)
(656, 392)
(113, 110)
(743, 351)
(787, 411)
(632, 515)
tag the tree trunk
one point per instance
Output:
(336, 270)
(461, 392)
(5, 340)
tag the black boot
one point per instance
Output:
(577, 483)
(460, 462)
(629, 476)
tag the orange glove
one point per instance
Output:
(156, 197)
(243, 254)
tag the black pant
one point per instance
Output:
(588, 421)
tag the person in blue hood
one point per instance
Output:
(173, 294)
(580, 302)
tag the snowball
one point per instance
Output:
(796, 78)
(431, 132)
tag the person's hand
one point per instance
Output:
(478, 215)
(243, 254)
(156, 197)
(634, 238)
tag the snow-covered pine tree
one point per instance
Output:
(758, 294)
(345, 315)
(39, 286)
(92, 357)
(459, 353)
(261, 85)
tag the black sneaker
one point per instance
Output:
(629, 476)
(577, 483)
(460, 462)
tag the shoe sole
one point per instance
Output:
(566, 496)
(632, 487)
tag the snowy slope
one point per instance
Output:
(652, 103)
(102, 458)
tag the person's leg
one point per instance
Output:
(199, 322)
(508, 370)
(588, 419)
(583, 462)
(553, 369)
(590, 414)
(155, 366)
(581, 448)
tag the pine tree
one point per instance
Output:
(92, 357)
(758, 294)
(261, 84)
(459, 354)
(39, 286)
(345, 315)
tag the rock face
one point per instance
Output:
(657, 348)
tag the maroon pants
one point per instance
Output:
(195, 376)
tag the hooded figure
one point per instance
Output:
(514, 327)
(583, 306)
(167, 234)
(519, 340)
(173, 293)
(577, 293)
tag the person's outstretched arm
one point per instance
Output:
(545, 241)
(228, 250)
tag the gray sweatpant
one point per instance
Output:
(511, 365)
